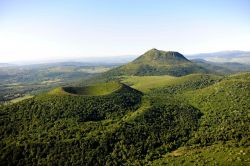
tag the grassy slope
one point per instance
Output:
(145, 83)
(148, 83)
(95, 90)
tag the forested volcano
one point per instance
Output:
(135, 118)
(157, 62)
(94, 90)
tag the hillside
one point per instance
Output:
(141, 120)
(170, 84)
(94, 90)
(226, 107)
(223, 132)
(157, 62)
(30, 128)
(124, 83)
(115, 129)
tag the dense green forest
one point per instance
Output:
(195, 119)
(32, 127)
(124, 127)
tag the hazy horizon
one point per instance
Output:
(121, 59)
(34, 31)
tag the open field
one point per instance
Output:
(148, 83)
(145, 83)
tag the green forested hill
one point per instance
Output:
(60, 129)
(223, 135)
(53, 128)
(157, 62)
(226, 108)
(197, 118)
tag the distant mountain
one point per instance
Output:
(224, 56)
(157, 62)
(222, 68)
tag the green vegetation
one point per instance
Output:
(178, 121)
(20, 98)
(226, 107)
(170, 84)
(94, 90)
(146, 83)
(216, 154)
(36, 125)
(156, 62)
(135, 119)
(19, 81)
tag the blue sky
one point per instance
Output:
(34, 30)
